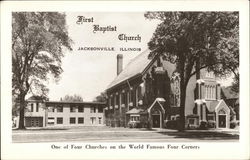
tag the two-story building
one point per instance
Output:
(41, 113)
(148, 91)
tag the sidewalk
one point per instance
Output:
(224, 130)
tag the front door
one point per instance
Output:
(222, 121)
(156, 121)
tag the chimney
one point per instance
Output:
(119, 63)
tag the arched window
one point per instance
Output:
(213, 92)
(175, 89)
(209, 92)
(206, 91)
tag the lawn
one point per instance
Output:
(108, 134)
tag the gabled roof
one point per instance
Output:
(211, 105)
(158, 101)
(135, 67)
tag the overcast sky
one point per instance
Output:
(88, 73)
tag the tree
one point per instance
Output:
(236, 83)
(194, 41)
(39, 40)
(74, 98)
(101, 98)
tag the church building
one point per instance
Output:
(147, 93)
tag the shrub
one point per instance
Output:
(132, 124)
(203, 125)
(144, 124)
(233, 124)
(172, 124)
(211, 124)
(191, 127)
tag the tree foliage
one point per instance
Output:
(101, 98)
(196, 40)
(74, 98)
(38, 43)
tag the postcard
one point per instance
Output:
(116, 80)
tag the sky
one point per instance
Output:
(88, 73)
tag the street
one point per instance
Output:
(107, 134)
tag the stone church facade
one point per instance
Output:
(147, 92)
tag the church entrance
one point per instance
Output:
(222, 121)
(156, 113)
(156, 120)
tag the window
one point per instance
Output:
(100, 109)
(80, 120)
(139, 92)
(31, 107)
(59, 108)
(109, 101)
(116, 99)
(51, 109)
(32, 122)
(37, 105)
(134, 118)
(100, 120)
(92, 109)
(210, 92)
(72, 108)
(59, 120)
(92, 119)
(80, 109)
(214, 92)
(175, 89)
(128, 98)
(51, 120)
(123, 97)
(175, 117)
(132, 96)
(112, 100)
(72, 120)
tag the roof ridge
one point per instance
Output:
(132, 60)
(133, 68)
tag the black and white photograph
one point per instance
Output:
(143, 80)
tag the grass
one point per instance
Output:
(55, 134)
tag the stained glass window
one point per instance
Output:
(175, 88)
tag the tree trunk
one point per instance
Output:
(182, 96)
(21, 115)
(182, 106)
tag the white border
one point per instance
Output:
(227, 150)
